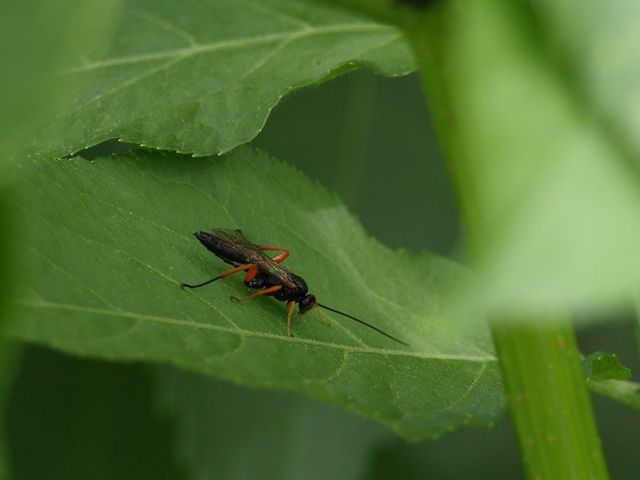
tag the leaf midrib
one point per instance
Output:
(229, 45)
(249, 333)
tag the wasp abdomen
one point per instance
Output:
(220, 248)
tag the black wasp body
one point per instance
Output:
(264, 273)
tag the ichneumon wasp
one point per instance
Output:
(265, 274)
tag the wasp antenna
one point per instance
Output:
(363, 323)
(186, 285)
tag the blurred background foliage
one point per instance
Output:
(37, 39)
(74, 418)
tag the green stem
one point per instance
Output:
(549, 401)
(541, 366)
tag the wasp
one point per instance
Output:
(265, 274)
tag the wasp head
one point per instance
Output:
(306, 303)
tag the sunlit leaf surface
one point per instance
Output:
(110, 241)
(201, 77)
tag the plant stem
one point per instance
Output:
(548, 398)
(541, 366)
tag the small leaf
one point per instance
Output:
(110, 241)
(606, 376)
(201, 77)
(604, 366)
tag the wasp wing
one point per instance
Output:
(233, 246)
(241, 251)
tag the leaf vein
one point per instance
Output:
(238, 43)
(250, 333)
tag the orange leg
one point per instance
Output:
(226, 274)
(235, 270)
(281, 257)
(266, 291)
(292, 307)
(251, 274)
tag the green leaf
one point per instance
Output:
(606, 376)
(110, 241)
(201, 77)
(8, 259)
(37, 39)
(286, 436)
(604, 366)
(614, 382)
(552, 204)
